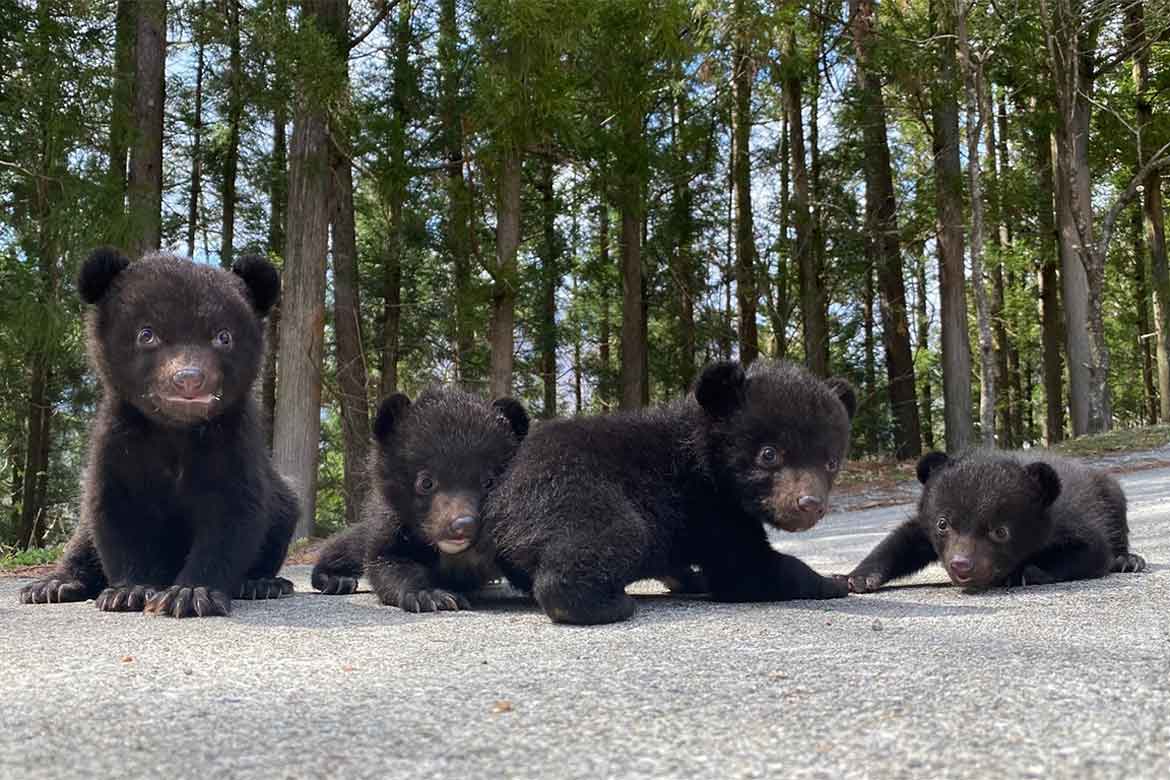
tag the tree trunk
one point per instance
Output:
(399, 182)
(605, 383)
(550, 279)
(456, 231)
(1141, 292)
(956, 346)
(297, 434)
(972, 79)
(36, 451)
(684, 275)
(121, 119)
(870, 365)
(882, 226)
(922, 344)
(999, 242)
(503, 323)
(232, 155)
(145, 182)
(1072, 40)
(778, 307)
(1155, 224)
(743, 72)
(278, 203)
(196, 148)
(812, 293)
(633, 347)
(1051, 327)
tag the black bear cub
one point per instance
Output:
(181, 508)
(1002, 519)
(420, 541)
(592, 504)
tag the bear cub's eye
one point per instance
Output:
(488, 482)
(769, 456)
(832, 466)
(943, 524)
(223, 339)
(146, 338)
(424, 484)
(1001, 534)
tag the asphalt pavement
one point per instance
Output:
(920, 680)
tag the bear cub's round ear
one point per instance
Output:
(262, 280)
(931, 462)
(844, 392)
(98, 271)
(389, 416)
(1046, 480)
(514, 413)
(720, 389)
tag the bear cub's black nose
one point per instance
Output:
(463, 527)
(188, 381)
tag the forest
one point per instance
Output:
(958, 205)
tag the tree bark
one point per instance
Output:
(1051, 323)
(972, 80)
(196, 190)
(743, 72)
(503, 322)
(550, 281)
(812, 293)
(631, 206)
(882, 226)
(922, 344)
(145, 180)
(278, 204)
(456, 234)
(1000, 244)
(302, 323)
(870, 343)
(956, 346)
(1071, 41)
(605, 382)
(234, 112)
(1141, 291)
(398, 184)
(684, 275)
(1154, 214)
(121, 119)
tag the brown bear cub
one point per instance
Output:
(1001, 519)
(420, 541)
(591, 504)
(181, 508)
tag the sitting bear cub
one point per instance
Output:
(1001, 519)
(420, 541)
(181, 508)
(591, 504)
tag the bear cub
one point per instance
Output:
(181, 508)
(592, 504)
(1002, 519)
(420, 541)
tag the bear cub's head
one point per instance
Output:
(438, 457)
(179, 341)
(985, 515)
(779, 435)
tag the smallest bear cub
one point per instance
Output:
(1003, 519)
(181, 508)
(421, 542)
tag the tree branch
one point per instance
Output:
(1159, 160)
(387, 7)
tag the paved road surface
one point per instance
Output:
(918, 681)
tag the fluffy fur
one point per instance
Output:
(592, 504)
(181, 508)
(420, 541)
(1003, 519)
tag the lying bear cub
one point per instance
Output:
(1001, 519)
(420, 541)
(181, 508)
(591, 504)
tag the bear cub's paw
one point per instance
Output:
(52, 591)
(860, 583)
(832, 588)
(1130, 562)
(334, 584)
(265, 588)
(1030, 575)
(189, 601)
(435, 600)
(127, 598)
